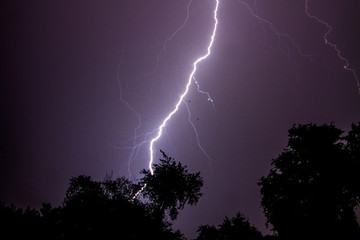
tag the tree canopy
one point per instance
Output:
(313, 188)
(171, 186)
(103, 209)
(237, 227)
(311, 191)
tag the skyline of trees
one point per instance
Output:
(312, 190)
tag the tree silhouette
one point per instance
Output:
(106, 209)
(207, 232)
(231, 229)
(312, 191)
(13, 219)
(171, 187)
(313, 188)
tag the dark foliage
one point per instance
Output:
(207, 232)
(231, 229)
(21, 224)
(171, 187)
(104, 209)
(311, 192)
(313, 188)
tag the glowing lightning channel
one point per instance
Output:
(160, 128)
(333, 45)
(136, 146)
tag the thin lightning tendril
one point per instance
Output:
(168, 39)
(131, 155)
(204, 92)
(179, 28)
(160, 128)
(280, 36)
(197, 135)
(333, 45)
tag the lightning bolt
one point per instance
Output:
(332, 45)
(284, 40)
(180, 100)
(134, 149)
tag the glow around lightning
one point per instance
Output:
(180, 100)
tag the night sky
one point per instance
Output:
(69, 66)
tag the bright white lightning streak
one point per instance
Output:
(136, 146)
(160, 128)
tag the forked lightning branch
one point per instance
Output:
(180, 100)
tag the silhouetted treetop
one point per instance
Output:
(120, 188)
(208, 232)
(171, 186)
(106, 209)
(235, 228)
(314, 183)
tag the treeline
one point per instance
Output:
(312, 191)
(111, 208)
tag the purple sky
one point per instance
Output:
(62, 113)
